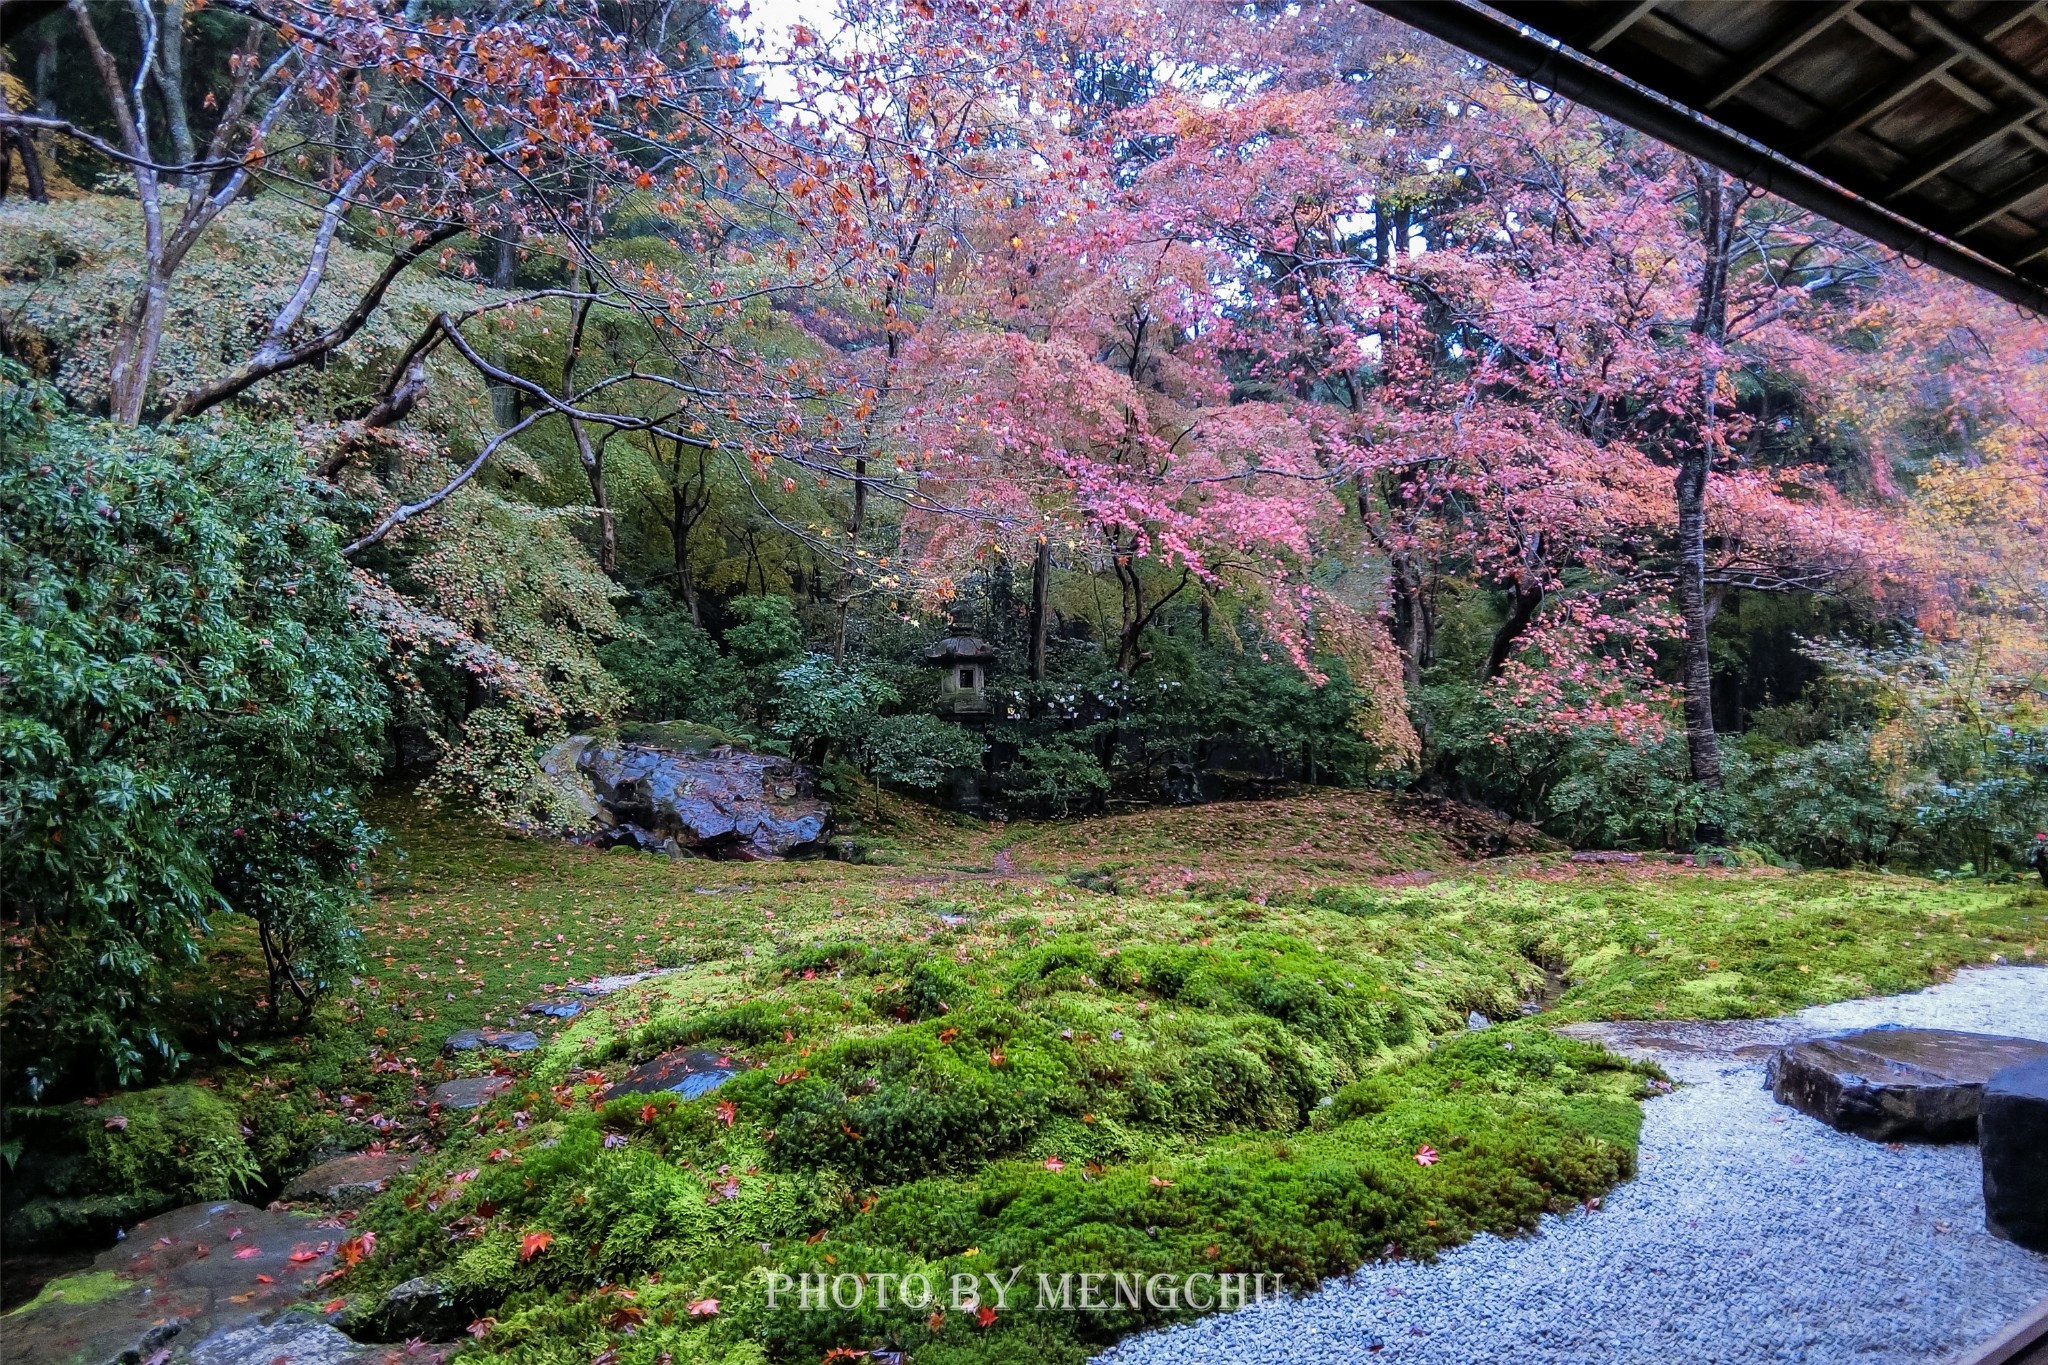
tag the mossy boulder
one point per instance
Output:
(86, 1170)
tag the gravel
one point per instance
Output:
(1752, 1234)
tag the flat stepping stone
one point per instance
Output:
(688, 1071)
(608, 985)
(556, 1009)
(470, 1092)
(212, 1283)
(350, 1181)
(2013, 1132)
(474, 1039)
(1888, 1083)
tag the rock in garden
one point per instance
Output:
(1475, 1021)
(556, 1009)
(292, 1337)
(351, 1181)
(678, 795)
(2012, 1129)
(196, 1282)
(470, 1092)
(471, 1039)
(1887, 1083)
(608, 985)
(419, 1308)
(689, 1072)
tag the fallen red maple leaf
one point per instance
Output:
(703, 1308)
(248, 1253)
(1425, 1155)
(534, 1244)
(986, 1317)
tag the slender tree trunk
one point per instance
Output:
(1523, 601)
(1041, 575)
(684, 523)
(170, 78)
(589, 453)
(1720, 205)
(1414, 619)
(504, 398)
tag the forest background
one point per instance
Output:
(391, 389)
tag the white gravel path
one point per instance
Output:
(1752, 1234)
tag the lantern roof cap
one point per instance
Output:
(961, 649)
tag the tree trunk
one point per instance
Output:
(1720, 206)
(1414, 619)
(1041, 573)
(1522, 604)
(170, 78)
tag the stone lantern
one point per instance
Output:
(964, 659)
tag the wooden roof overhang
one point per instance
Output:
(1922, 124)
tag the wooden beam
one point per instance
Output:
(1990, 58)
(1955, 148)
(1818, 21)
(2011, 199)
(2023, 1342)
(1882, 36)
(1884, 97)
(1621, 25)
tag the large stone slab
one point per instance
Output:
(2012, 1129)
(210, 1283)
(1888, 1083)
(351, 1181)
(689, 1072)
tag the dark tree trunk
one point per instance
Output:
(1720, 207)
(1041, 575)
(1523, 600)
(1414, 619)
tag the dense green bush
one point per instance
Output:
(919, 751)
(187, 695)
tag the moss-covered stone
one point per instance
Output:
(88, 1169)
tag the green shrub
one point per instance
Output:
(1054, 778)
(183, 680)
(919, 751)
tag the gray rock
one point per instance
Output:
(470, 1092)
(723, 802)
(420, 1307)
(689, 1072)
(473, 1039)
(608, 985)
(2012, 1130)
(556, 1009)
(1475, 1021)
(351, 1181)
(1887, 1083)
(298, 1338)
(183, 1280)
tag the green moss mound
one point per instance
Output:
(87, 1169)
(1143, 1098)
